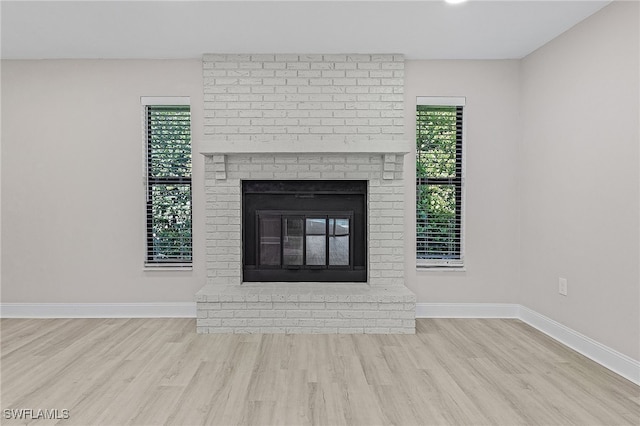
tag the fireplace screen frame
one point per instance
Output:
(304, 200)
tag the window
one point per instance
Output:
(439, 182)
(168, 179)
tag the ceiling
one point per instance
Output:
(187, 29)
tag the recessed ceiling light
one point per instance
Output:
(455, 1)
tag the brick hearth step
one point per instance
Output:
(305, 308)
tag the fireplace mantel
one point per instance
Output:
(225, 147)
(216, 151)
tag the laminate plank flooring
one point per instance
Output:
(159, 371)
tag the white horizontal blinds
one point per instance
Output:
(439, 179)
(169, 230)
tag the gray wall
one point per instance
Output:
(491, 210)
(579, 178)
(73, 209)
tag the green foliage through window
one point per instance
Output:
(438, 182)
(169, 231)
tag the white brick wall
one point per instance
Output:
(303, 97)
(303, 308)
(306, 100)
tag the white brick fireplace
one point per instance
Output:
(304, 117)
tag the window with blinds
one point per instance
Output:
(168, 178)
(439, 183)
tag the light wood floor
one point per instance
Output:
(159, 371)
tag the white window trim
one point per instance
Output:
(456, 264)
(441, 100)
(164, 100)
(146, 101)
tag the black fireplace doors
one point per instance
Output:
(304, 231)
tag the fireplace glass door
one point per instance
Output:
(318, 236)
(317, 240)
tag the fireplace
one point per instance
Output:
(304, 231)
(304, 195)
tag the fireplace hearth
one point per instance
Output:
(304, 231)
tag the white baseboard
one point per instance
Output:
(467, 310)
(615, 361)
(98, 310)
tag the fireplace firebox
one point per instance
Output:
(304, 231)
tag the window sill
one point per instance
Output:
(161, 268)
(421, 268)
